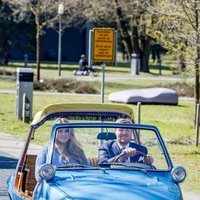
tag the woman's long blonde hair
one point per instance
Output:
(72, 148)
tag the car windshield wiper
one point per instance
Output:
(71, 166)
(134, 166)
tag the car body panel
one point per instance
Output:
(113, 184)
(10, 185)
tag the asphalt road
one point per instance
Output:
(7, 166)
(10, 150)
(9, 153)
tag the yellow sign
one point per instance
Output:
(103, 46)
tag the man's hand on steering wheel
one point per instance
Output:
(132, 152)
(129, 152)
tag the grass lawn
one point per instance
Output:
(176, 123)
(50, 69)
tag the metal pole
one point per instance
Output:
(59, 46)
(102, 82)
(102, 94)
(90, 50)
(138, 112)
(115, 48)
(137, 132)
(197, 126)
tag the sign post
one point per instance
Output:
(103, 50)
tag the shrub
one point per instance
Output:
(65, 85)
(85, 88)
(7, 73)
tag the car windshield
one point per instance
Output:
(98, 139)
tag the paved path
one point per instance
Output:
(7, 166)
(120, 77)
(73, 94)
(10, 150)
(9, 154)
(129, 77)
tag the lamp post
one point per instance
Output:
(60, 12)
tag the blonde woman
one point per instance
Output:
(66, 150)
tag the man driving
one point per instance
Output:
(129, 151)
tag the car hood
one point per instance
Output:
(114, 184)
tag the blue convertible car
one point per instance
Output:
(94, 124)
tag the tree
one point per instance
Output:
(45, 13)
(130, 17)
(176, 24)
(41, 10)
(13, 35)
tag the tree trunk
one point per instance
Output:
(197, 83)
(197, 74)
(135, 40)
(197, 60)
(132, 42)
(144, 55)
(122, 23)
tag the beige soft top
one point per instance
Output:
(56, 110)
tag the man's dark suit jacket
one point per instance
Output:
(108, 151)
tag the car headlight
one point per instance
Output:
(178, 174)
(47, 172)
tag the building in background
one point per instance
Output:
(74, 43)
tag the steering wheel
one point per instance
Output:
(123, 154)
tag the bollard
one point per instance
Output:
(26, 113)
(135, 64)
(25, 60)
(24, 86)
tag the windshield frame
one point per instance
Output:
(109, 125)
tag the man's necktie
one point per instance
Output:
(125, 160)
